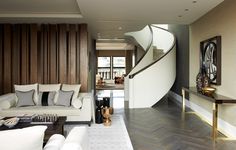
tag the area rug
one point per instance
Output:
(114, 137)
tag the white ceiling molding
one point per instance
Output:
(110, 18)
(40, 9)
(38, 15)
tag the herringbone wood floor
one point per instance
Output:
(164, 128)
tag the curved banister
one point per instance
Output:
(129, 34)
(173, 44)
(148, 47)
(154, 75)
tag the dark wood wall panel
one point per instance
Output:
(40, 56)
(72, 55)
(52, 54)
(33, 53)
(78, 55)
(47, 53)
(1, 59)
(7, 65)
(24, 54)
(62, 53)
(16, 54)
(84, 56)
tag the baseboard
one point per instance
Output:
(224, 127)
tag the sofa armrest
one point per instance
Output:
(55, 142)
(7, 101)
(77, 139)
(86, 105)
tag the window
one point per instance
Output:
(111, 67)
(118, 66)
(104, 61)
(118, 61)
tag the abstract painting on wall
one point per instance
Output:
(211, 59)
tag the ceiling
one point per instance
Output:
(107, 19)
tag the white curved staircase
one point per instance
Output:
(154, 75)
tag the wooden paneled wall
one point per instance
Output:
(47, 53)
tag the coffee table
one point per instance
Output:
(56, 128)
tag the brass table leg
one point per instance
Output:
(183, 100)
(214, 121)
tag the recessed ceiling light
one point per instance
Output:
(180, 16)
(186, 9)
(194, 1)
(119, 28)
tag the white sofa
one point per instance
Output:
(31, 138)
(84, 114)
(77, 139)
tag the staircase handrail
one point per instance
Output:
(144, 68)
(148, 47)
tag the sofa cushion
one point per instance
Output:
(72, 87)
(28, 87)
(7, 101)
(25, 98)
(30, 138)
(55, 142)
(46, 98)
(64, 98)
(50, 88)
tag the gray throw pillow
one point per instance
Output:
(64, 98)
(46, 98)
(25, 98)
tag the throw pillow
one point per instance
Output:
(28, 87)
(25, 98)
(50, 88)
(77, 102)
(72, 87)
(7, 101)
(46, 98)
(64, 98)
(30, 138)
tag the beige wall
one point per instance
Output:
(219, 21)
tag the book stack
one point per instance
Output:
(44, 119)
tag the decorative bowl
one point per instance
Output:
(208, 90)
(11, 122)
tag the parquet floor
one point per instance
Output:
(164, 128)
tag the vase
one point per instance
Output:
(202, 80)
(199, 81)
(98, 111)
(205, 79)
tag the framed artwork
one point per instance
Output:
(211, 59)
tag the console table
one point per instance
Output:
(216, 99)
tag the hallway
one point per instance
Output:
(116, 97)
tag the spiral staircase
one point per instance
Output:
(154, 74)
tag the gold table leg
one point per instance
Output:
(183, 100)
(214, 121)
